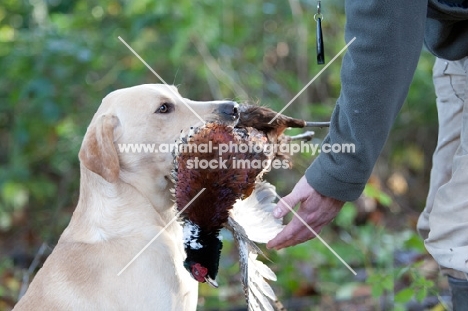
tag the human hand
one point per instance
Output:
(315, 209)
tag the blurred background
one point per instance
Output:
(58, 59)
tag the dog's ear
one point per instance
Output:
(98, 153)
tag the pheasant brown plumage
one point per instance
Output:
(223, 185)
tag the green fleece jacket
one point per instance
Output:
(376, 73)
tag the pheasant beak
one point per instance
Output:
(211, 282)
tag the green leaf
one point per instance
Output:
(346, 216)
(377, 291)
(421, 294)
(384, 199)
(404, 295)
(414, 242)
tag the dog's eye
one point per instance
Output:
(164, 108)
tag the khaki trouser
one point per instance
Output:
(444, 222)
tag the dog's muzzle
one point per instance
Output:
(229, 111)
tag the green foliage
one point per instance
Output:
(418, 290)
(347, 215)
(381, 197)
(381, 283)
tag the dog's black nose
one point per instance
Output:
(229, 110)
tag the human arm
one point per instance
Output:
(376, 73)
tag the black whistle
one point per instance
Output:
(320, 48)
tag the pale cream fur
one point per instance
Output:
(124, 202)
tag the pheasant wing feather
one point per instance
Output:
(254, 214)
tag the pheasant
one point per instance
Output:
(233, 196)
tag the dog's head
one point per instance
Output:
(130, 134)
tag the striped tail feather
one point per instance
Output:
(251, 221)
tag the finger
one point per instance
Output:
(283, 236)
(294, 233)
(286, 235)
(284, 206)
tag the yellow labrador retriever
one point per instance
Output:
(125, 202)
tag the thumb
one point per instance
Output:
(285, 205)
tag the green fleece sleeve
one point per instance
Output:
(376, 73)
